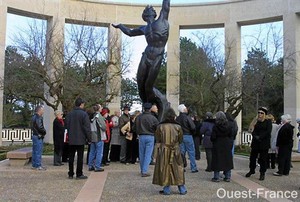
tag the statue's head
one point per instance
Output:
(148, 11)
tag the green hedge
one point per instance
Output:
(47, 150)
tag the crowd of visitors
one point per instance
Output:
(139, 137)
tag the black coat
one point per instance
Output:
(78, 126)
(186, 123)
(285, 135)
(58, 134)
(221, 138)
(261, 135)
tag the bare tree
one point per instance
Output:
(75, 68)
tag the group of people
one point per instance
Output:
(140, 136)
(271, 141)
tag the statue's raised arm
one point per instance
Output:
(164, 13)
(156, 33)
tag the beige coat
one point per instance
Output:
(169, 169)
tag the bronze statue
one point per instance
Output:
(156, 33)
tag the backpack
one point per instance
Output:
(95, 130)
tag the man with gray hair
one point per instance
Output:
(284, 144)
(188, 128)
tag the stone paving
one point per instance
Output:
(121, 182)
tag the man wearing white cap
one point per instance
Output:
(188, 128)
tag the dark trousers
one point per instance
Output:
(263, 157)
(114, 154)
(208, 152)
(88, 154)
(65, 153)
(271, 160)
(105, 153)
(132, 151)
(73, 149)
(284, 159)
(57, 158)
(197, 147)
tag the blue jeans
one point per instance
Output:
(181, 189)
(96, 154)
(226, 173)
(146, 144)
(188, 146)
(37, 150)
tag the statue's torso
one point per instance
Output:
(156, 35)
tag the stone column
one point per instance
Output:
(3, 15)
(173, 66)
(114, 73)
(291, 40)
(233, 66)
(54, 62)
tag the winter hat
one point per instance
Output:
(147, 105)
(181, 108)
(104, 111)
(264, 109)
(298, 120)
(209, 115)
(126, 107)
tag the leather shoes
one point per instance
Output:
(277, 174)
(81, 177)
(163, 193)
(145, 174)
(262, 177)
(99, 170)
(195, 171)
(183, 193)
(249, 174)
(215, 180)
(91, 169)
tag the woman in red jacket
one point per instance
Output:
(109, 125)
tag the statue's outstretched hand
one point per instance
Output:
(116, 25)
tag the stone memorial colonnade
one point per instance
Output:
(231, 15)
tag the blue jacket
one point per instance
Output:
(206, 130)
